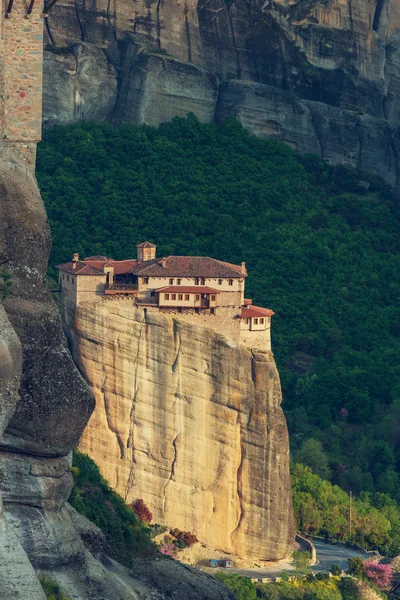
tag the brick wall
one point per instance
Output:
(21, 81)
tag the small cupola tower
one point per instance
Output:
(146, 251)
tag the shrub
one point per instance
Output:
(157, 529)
(186, 537)
(242, 587)
(179, 544)
(301, 563)
(168, 550)
(141, 511)
(336, 570)
(91, 496)
(356, 567)
(380, 575)
(349, 589)
(52, 590)
(5, 283)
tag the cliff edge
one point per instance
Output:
(44, 406)
(188, 421)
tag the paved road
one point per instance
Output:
(327, 555)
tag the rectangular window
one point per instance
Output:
(152, 294)
(166, 296)
(64, 277)
(262, 321)
(171, 282)
(212, 298)
(173, 296)
(180, 296)
(203, 281)
(248, 321)
(197, 281)
(73, 281)
(219, 281)
(230, 281)
(212, 311)
(67, 277)
(197, 297)
(197, 310)
(186, 297)
(145, 280)
(255, 321)
(178, 281)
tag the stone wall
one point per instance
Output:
(258, 340)
(22, 45)
(225, 321)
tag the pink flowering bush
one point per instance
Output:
(379, 574)
(168, 550)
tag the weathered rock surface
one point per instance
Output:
(157, 88)
(43, 422)
(338, 135)
(80, 85)
(171, 58)
(189, 422)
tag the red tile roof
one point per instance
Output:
(248, 301)
(121, 267)
(97, 258)
(146, 245)
(182, 289)
(189, 266)
(175, 266)
(81, 268)
(256, 311)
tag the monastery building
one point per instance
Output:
(198, 289)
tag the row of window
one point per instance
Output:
(187, 297)
(197, 281)
(72, 278)
(257, 321)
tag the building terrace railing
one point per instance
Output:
(126, 288)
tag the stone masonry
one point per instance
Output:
(21, 48)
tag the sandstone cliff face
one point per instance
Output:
(44, 406)
(151, 61)
(189, 422)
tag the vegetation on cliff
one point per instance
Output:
(319, 587)
(320, 245)
(52, 590)
(321, 508)
(91, 496)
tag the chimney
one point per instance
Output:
(75, 258)
(163, 262)
(244, 270)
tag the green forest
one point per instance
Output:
(320, 246)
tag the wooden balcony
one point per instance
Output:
(121, 288)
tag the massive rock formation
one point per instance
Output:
(153, 60)
(44, 406)
(188, 421)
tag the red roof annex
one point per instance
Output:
(256, 311)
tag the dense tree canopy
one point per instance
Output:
(320, 251)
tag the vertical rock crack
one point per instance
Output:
(171, 472)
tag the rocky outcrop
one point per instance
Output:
(80, 85)
(337, 135)
(44, 406)
(320, 75)
(188, 421)
(157, 88)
